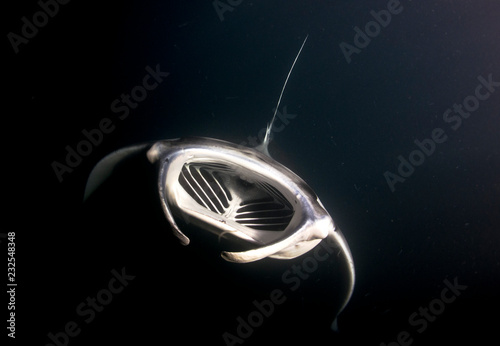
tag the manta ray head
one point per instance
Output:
(239, 191)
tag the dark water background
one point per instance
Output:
(352, 122)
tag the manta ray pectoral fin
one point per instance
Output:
(336, 239)
(105, 167)
(335, 325)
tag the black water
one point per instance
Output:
(429, 75)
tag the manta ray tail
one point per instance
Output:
(263, 147)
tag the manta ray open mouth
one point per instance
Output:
(218, 188)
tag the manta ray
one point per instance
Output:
(239, 192)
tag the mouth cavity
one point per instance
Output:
(243, 198)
